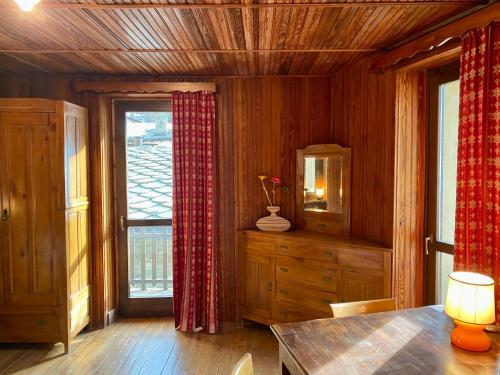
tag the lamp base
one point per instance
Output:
(470, 337)
(492, 328)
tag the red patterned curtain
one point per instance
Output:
(477, 225)
(194, 216)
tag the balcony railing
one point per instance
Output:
(150, 261)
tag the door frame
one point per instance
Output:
(435, 78)
(132, 307)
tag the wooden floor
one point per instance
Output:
(145, 346)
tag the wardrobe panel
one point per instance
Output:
(27, 247)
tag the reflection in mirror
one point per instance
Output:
(323, 183)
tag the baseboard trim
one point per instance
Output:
(112, 316)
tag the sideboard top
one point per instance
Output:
(302, 234)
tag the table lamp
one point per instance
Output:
(320, 192)
(470, 302)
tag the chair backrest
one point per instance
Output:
(244, 366)
(340, 310)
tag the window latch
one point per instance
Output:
(122, 223)
(428, 240)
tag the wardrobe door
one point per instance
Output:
(28, 244)
(77, 215)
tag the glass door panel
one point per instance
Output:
(447, 160)
(444, 89)
(144, 200)
(150, 261)
(444, 266)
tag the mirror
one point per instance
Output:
(323, 183)
(323, 188)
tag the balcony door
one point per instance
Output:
(444, 96)
(144, 181)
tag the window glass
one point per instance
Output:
(447, 160)
(149, 165)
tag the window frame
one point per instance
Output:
(435, 78)
(133, 306)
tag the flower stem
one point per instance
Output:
(274, 193)
(267, 194)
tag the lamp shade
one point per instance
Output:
(320, 192)
(27, 5)
(470, 298)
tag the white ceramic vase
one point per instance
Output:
(273, 222)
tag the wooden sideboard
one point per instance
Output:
(294, 276)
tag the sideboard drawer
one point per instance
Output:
(288, 313)
(307, 272)
(366, 259)
(305, 297)
(322, 251)
(258, 243)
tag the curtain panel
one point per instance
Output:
(194, 212)
(477, 222)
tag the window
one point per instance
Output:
(444, 90)
(149, 197)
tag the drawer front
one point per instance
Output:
(367, 259)
(258, 244)
(317, 250)
(307, 272)
(288, 313)
(30, 328)
(305, 297)
(320, 225)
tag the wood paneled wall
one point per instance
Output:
(363, 119)
(381, 116)
(261, 123)
(38, 86)
(271, 119)
(411, 124)
(102, 198)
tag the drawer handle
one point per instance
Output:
(41, 323)
(284, 291)
(327, 253)
(283, 269)
(284, 247)
(326, 278)
(270, 286)
(323, 226)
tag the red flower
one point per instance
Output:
(275, 180)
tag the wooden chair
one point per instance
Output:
(340, 310)
(244, 366)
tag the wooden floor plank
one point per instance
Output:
(146, 346)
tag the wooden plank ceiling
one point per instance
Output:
(210, 38)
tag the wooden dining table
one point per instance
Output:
(412, 341)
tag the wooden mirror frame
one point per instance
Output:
(327, 222)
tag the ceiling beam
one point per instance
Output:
(248, 29)
(187, 51)
(366, 3)
(438, 37)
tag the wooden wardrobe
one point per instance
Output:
(44, 224)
